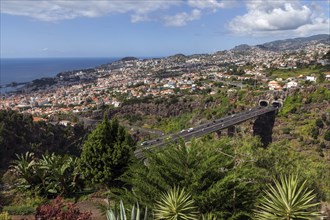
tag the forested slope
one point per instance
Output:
(19, 134)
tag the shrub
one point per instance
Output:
(106, 153)
(53, 174)
(314, 132)
(324, 117)
(319, 123)
(323, 145)
(292, 104)
(58, 210)
(4, 216)
(319, 95)
(19, 210)
(286, 130)
(327, 135)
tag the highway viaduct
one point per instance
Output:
(265, 112)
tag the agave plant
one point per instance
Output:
(287, 200)
(113, 214)
(209, 216)
(175, 204)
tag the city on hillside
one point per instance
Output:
(164, 110)
(279, 65)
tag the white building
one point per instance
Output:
(274, 85)
(311, 78)
(292, 84)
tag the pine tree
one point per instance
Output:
(221, 176)
(106, 153)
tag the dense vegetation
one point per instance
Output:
(19, 134)
(212, 171)
(49, 176)
(301, 70)
(106, 153)
(233, 171)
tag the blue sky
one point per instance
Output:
(151, 28)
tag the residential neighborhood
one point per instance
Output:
(131, 78)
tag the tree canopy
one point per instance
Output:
(221, 175)
(106, 152)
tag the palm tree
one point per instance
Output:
(175, 205)
(287, 200)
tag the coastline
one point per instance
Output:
(16, 73)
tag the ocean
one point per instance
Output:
(27, 69)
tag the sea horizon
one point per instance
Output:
(26, 69)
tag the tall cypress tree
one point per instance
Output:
(106, 153)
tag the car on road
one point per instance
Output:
(190, 129)
(144, 143)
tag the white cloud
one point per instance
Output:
(262, 16)
(139, 10)
(182, 18)
(279, 17)
(211, 4)
(135, 18)
(319, 26)
(54, 10)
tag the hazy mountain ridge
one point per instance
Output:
(287, 44)
(295, 43)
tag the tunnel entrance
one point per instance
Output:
(276, 104)
(263, 103)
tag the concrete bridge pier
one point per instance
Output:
(218, 133)
(263, 127)
(231, 131)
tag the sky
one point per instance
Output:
(151, 28)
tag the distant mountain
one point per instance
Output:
(129, 59)
(295, 43)
(242, 47)
(177, 56)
